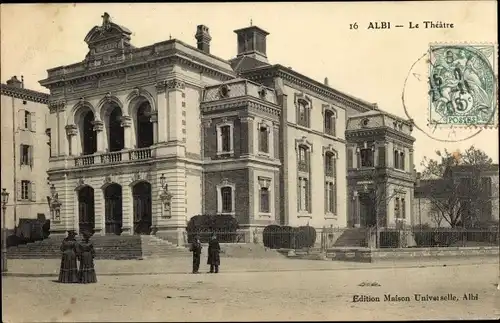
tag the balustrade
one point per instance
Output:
(84, 160)
(114, 157)
(142, 153)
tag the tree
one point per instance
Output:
(435, 168)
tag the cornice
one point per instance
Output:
(216, 106)
(295, 78)
(24, 94)
(387, 132)
(120, 68)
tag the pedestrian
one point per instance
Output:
(196, 250)
(68, 272)
(213, 254)
(86, 254)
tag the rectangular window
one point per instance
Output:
(329, 165)
(330, 197)
(303, 194)
(303, 113)
(396, 207)
(227, 199)
(303, 160)
(264, 200)
(403, 209)
(329, 123)
(27, 120)
(263, 140)
(25, 155)
(402, 160)
(25, 190)
(366, 157)
(226, 138)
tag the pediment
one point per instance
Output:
(107, 37)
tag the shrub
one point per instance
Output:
(225, 226)
(271, 236)
(306, 237)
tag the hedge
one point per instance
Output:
(204, 225)
(28, 231)
(286, 237)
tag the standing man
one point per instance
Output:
(213, 254)
(196, 250)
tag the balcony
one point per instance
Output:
(115, 157)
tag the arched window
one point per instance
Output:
(89, 137)
(329, 164)
(303, 158)
(263, 139)
(144, 127)
(303, 113)
(402, 160)
(396, 159)
(115, 131)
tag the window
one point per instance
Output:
(402, 160)
(329, 164)
(303, 111)
(396, 208)
(330, 197)
(264, 200)
(27, 120)
(303, 194)
(263, 140)
(227, 199)
(329, 122)
(49, 141)
(366, 155)
(226, 138)
(403, 209)
(25, 190)
(303, 159)
(25, 155)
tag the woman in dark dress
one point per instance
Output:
(86, 254)
(213, 254)
(68, 272)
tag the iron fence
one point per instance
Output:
(439, 237)
(223, 236)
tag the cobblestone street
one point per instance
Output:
(309, 290)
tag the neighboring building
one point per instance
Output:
(25, 151)
(472, 189)
(243, 137)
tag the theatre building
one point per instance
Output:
(145, 138)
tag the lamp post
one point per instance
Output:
(5, 200)
(165, 196)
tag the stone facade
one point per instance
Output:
(240, 137)
(25, 151)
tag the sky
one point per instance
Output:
(314, 39)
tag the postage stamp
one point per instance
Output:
(462, 85)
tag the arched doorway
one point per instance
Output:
(86, 215)
(89, 137)
(113, 209)
(115, 130)
(144, 126)
(141, 193)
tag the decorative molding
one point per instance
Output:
(24, 94)
(264, 182)
(161, 87)
(139, 176)
(226, 182)
(329, 107)
(303, 142)
(206, 122)
(71, 130)
(80, 182)
(330, 149)
(175, 84)
(57, 106)
(303, 97)
(125, 121)
(247, 118)
(262, 92)
(221, 106)
(98, 125)
(224, 91)
(108, 179)
(153, 117)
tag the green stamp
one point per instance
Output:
(462, 85)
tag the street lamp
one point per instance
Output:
(165, 196)
(5, 200)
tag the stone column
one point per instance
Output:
(63, 144)
(71, 132)
(175, 90)
(99, 211)
(125, 122)
(128, 210)
(276, 141)
(163, 113)
(101, 140)
(154, 120)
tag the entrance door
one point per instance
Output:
(367, 210)
(113, 209)
(86, 216)
(142, 208)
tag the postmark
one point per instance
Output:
(462, 85)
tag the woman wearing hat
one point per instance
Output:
(68, 272)
(213, 254)
(86, 253)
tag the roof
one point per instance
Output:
(24, 94)
(468, 168)
(245, 63)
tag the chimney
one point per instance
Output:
(326, 81)
(252, 43)
(203, 38)
(14, 82)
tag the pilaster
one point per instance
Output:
(154, 120)
(175, 89)
(100, 224)
(71, 134)
(127, 209)
(63, 143)
(247, 125)
(163, 110)
(101, 140)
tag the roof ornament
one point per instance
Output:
(251, 22)
(106, 21)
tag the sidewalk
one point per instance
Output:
(182, 265)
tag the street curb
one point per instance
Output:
(9, 274)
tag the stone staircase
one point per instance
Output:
(352, 237)
(107, 247)
(154, 247)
